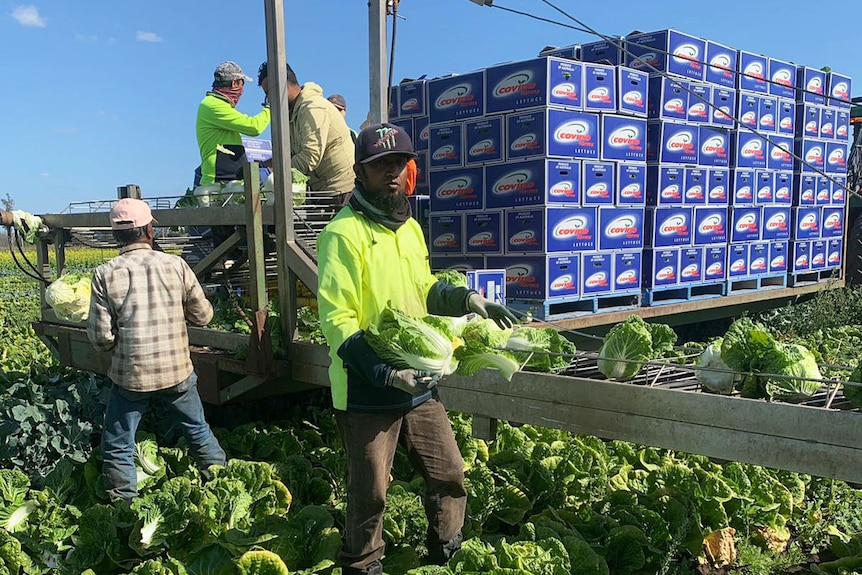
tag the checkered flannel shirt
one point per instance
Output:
(139, 307)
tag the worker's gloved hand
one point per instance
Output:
(488, 309)
(412, 381)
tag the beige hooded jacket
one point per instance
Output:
(320, 143)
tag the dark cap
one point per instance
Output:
(380, 140)
(229, 71)
(339, 101)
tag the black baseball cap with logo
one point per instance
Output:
(380, 140)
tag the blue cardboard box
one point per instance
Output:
(669, 51)
(723, 108)
(668, 227)
(483, 141)
(552, 132)
(722, 64)
(627, 270)
(691, 265)
(672, 143)
(778, 256)
(632, 94)
(457, 189)
(806, 223)
(667, 98)
(695, 186)
(600, 187)
(710, 225)
(456, 97)
(811, 85)
(533, 183)
(699, 99)
(412, 98)
(623, 138)
(715, 263)
(748, 150)
(745, 223)
(744, 187)
(836, 158)
(767, 114)
(661, 267)
(801, 256)
(545, 81)
(600, 88)
(758, 258)
(631, 184)
(597, 273)
(812, 153)
(753, 72)
(839, 89)
(551, 229)
(483, 232)
(737, 258)
(546, 277)
(780, 153)
(787, 117)
(665, 185)
(784, 188)
(447, 234)
(718, 186)
(621, 228)
(783, 76)
(776, 223)
(714, 147)
(446, 145)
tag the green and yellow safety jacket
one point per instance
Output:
(362, 266)
(218, 130)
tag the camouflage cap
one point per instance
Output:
(229, 71)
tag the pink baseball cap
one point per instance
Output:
(130, 213)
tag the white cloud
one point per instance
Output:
(84, 38)
(44, 174)
(28, 16)
(148, 37)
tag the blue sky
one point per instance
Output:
(104, 93)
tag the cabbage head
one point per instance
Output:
(26, 224)
(626, 348)
(717, 381)
(404, 342)
(69, 297)
(792, 361)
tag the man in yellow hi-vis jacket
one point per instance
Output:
(373, 253)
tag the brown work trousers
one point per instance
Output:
(370, 440)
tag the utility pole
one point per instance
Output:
(378, 93)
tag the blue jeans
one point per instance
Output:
(124, 413)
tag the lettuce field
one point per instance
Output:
(541, 501)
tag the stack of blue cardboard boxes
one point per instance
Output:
(587, 179)
(757, 115)
(539, 167)
(821, 139)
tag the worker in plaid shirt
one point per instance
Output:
(139, 307)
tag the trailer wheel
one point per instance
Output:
(853, 265)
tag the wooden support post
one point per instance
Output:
(284, 234)
(254, 236)
(214, 256)
(259, 358)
